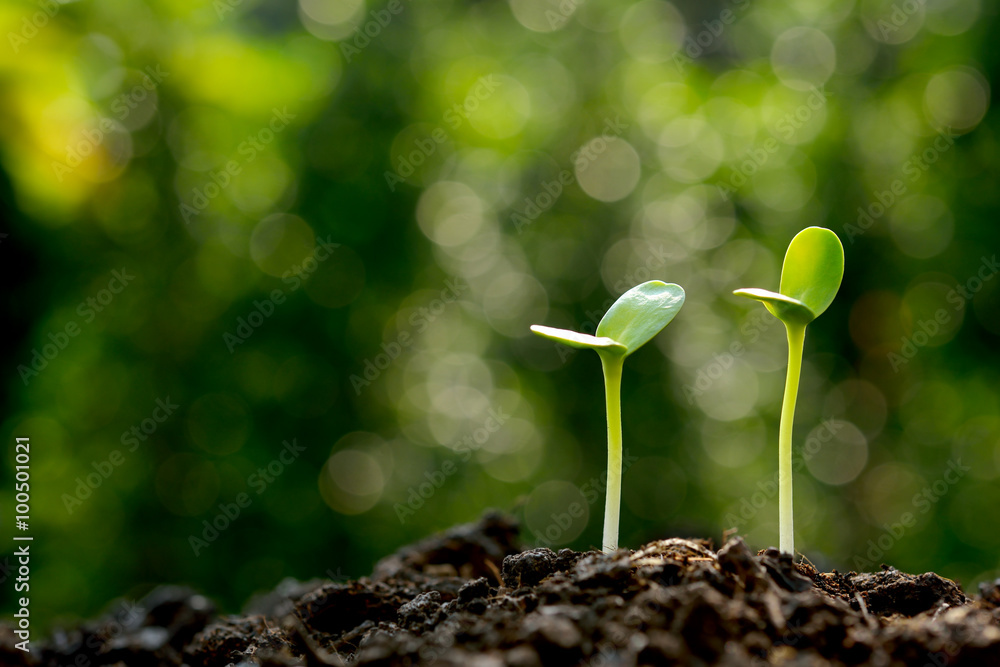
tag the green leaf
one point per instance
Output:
(810, 277)
(641, 313)
(813, 268)
(580, 340)
(785, 308)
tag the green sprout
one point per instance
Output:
(810, 278)
(637, 316)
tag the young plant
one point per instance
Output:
(810, 278)
(637, 316)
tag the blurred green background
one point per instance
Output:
(333, 222)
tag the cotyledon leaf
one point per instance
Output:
(813, 268)
(580, 340)
(641, 313)
(810, 277)
(785, 308)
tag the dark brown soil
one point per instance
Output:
(470, 596)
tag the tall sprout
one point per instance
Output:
(637, 316)
(810, 278)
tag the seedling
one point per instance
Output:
(810, 278)
(637, 316)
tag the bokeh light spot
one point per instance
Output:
(332, 13)
(891, 21)
(952, 17)
(652, 30)
(352, 481)
(497, 106)
(734, 444)
(957, 98)
(729, 394)
(543, 15)
(607, 169)
(450, 213)
(859, 402)
(690, 149)
(803, 58)
(513, 302)
(835, 452)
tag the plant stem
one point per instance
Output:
(796, 336)
(612, 366)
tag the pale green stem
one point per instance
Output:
(612, 366)
(796, 337)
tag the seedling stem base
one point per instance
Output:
(796, 337)
(612, 365)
